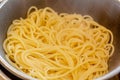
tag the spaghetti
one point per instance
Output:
(51, 46)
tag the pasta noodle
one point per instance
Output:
(51, 46)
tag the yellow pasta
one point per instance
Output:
(51, 46)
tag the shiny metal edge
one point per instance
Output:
(14, 70)
(110, 75)
(2, 3)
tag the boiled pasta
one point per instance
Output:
(51, 46)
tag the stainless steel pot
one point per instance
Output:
(105, 12)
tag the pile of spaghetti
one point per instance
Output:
(51, 46)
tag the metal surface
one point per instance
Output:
(2, 2)
(105, 12)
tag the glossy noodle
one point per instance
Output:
(51, 46)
